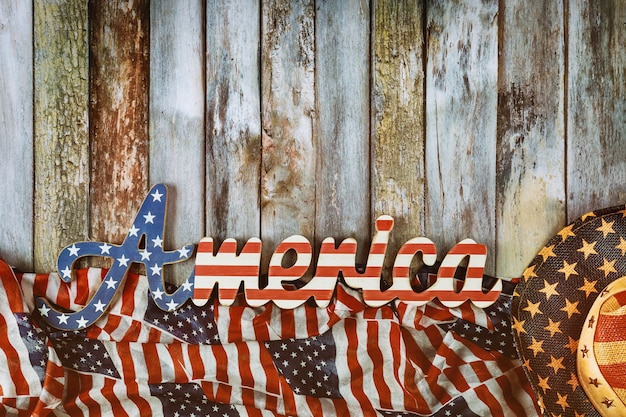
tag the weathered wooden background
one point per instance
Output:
(496, 120)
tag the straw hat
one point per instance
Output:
(569, 318)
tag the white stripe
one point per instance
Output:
(343, 370)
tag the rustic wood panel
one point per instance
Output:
(177, 118)
(531, 132)
(398, 119)
(233, 124)
(596, 113)
(461, 105)
(342, 31)
(288, 117)
(16, 144)
(118, 115)
(61, 150)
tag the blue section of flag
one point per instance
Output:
(189, 400)
(80, 353)
(190, 323)
(308, 365)
(35, 340)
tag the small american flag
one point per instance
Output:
(347, 359)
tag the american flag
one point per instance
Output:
(347, 359)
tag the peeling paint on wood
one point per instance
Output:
(596, 115)
(61, 149)
(461, 97)
(342, 129)
(531, 132)
(233, 125)
(16, 140)
(118, 115)
(288, 117)
(177, 120)
(398, 119)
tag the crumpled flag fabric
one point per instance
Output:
(347, 359)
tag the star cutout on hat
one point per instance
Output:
(556, 364)
(562, 401)
(573, 381)
(570, 308)
(608, 403)
(549, 289)
(572, 345)
(568, 269)
(588, 248)
(606, 228)
(543, 383)
(553, 327)
(566, 232)
(518, 325)
(622, 245)
(584, 351)
(536, 346)
(532, 308)
(547, 252)
(588, 287)
(594, 382)
(608, 267)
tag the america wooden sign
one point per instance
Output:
(222, 271)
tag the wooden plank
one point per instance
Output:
(16, 119)
(177, 119)
(461, 103)
(118, 114)
(61, 149)
(531, 132)
(288, 114)
(398, 119)
(596, 114)
(342, 31)
(233, 124)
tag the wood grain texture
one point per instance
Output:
(16, 141)
(531, 132)
(233, 124)
(596, 114)
(118, 115)
(398, 119)
(342, 31)
(177, 119)
(461, 105)
(61, 150)
(288, 117)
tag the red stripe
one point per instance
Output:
(481, 371)
(485, 395)
(378, 248)
(73, 390)
(611, 328)
(345, 248)
(300, 247)
(113, 322)
(151, 356)
(130, 378)
(109, 394)
(247, 380)
(234, 327)
(82, 286)
(510, 394)
(614, 374)
(128, 295)
(13, 360)
(356, 372)
(63, 296)
(40, 285)
(86, 386)
(468, 249)
(384, 225)
(227, 271)
(375, 354)
(287, 324)
(11, 287)
(176, 353)
(312, 325)
(133, 332)
(314, 405)
(414, 248)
